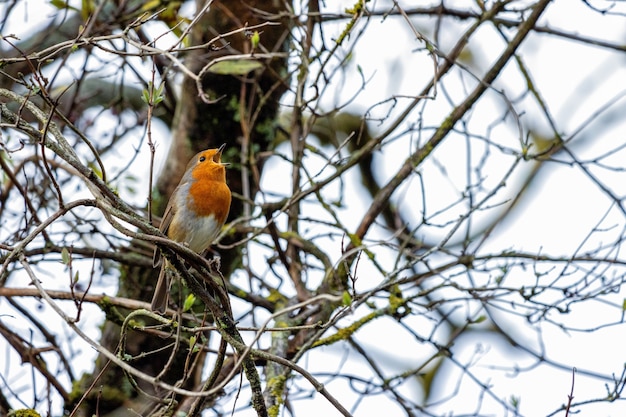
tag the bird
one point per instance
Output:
(195, 213)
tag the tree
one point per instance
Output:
(368, 259)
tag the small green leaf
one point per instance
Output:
(87, 8)
(158, 96)
(76, 277)
(346, 299)
(151, 95)
(189, 302)
(624, 305)
(145, 96)
(515, 402)
(61, 4)
(65, 256)
(193, 345)
(150, 5)
(96, 169)
(254, 39)
(235, 67)
(480, 319)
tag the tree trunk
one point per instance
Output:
(244, 108)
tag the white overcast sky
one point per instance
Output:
(575, 81)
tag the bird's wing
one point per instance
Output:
(165, 225)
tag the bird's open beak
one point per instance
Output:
(218, 155)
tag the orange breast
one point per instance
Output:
(210, 198)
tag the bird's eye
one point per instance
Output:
(202, 158)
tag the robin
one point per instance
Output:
(195, 213)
